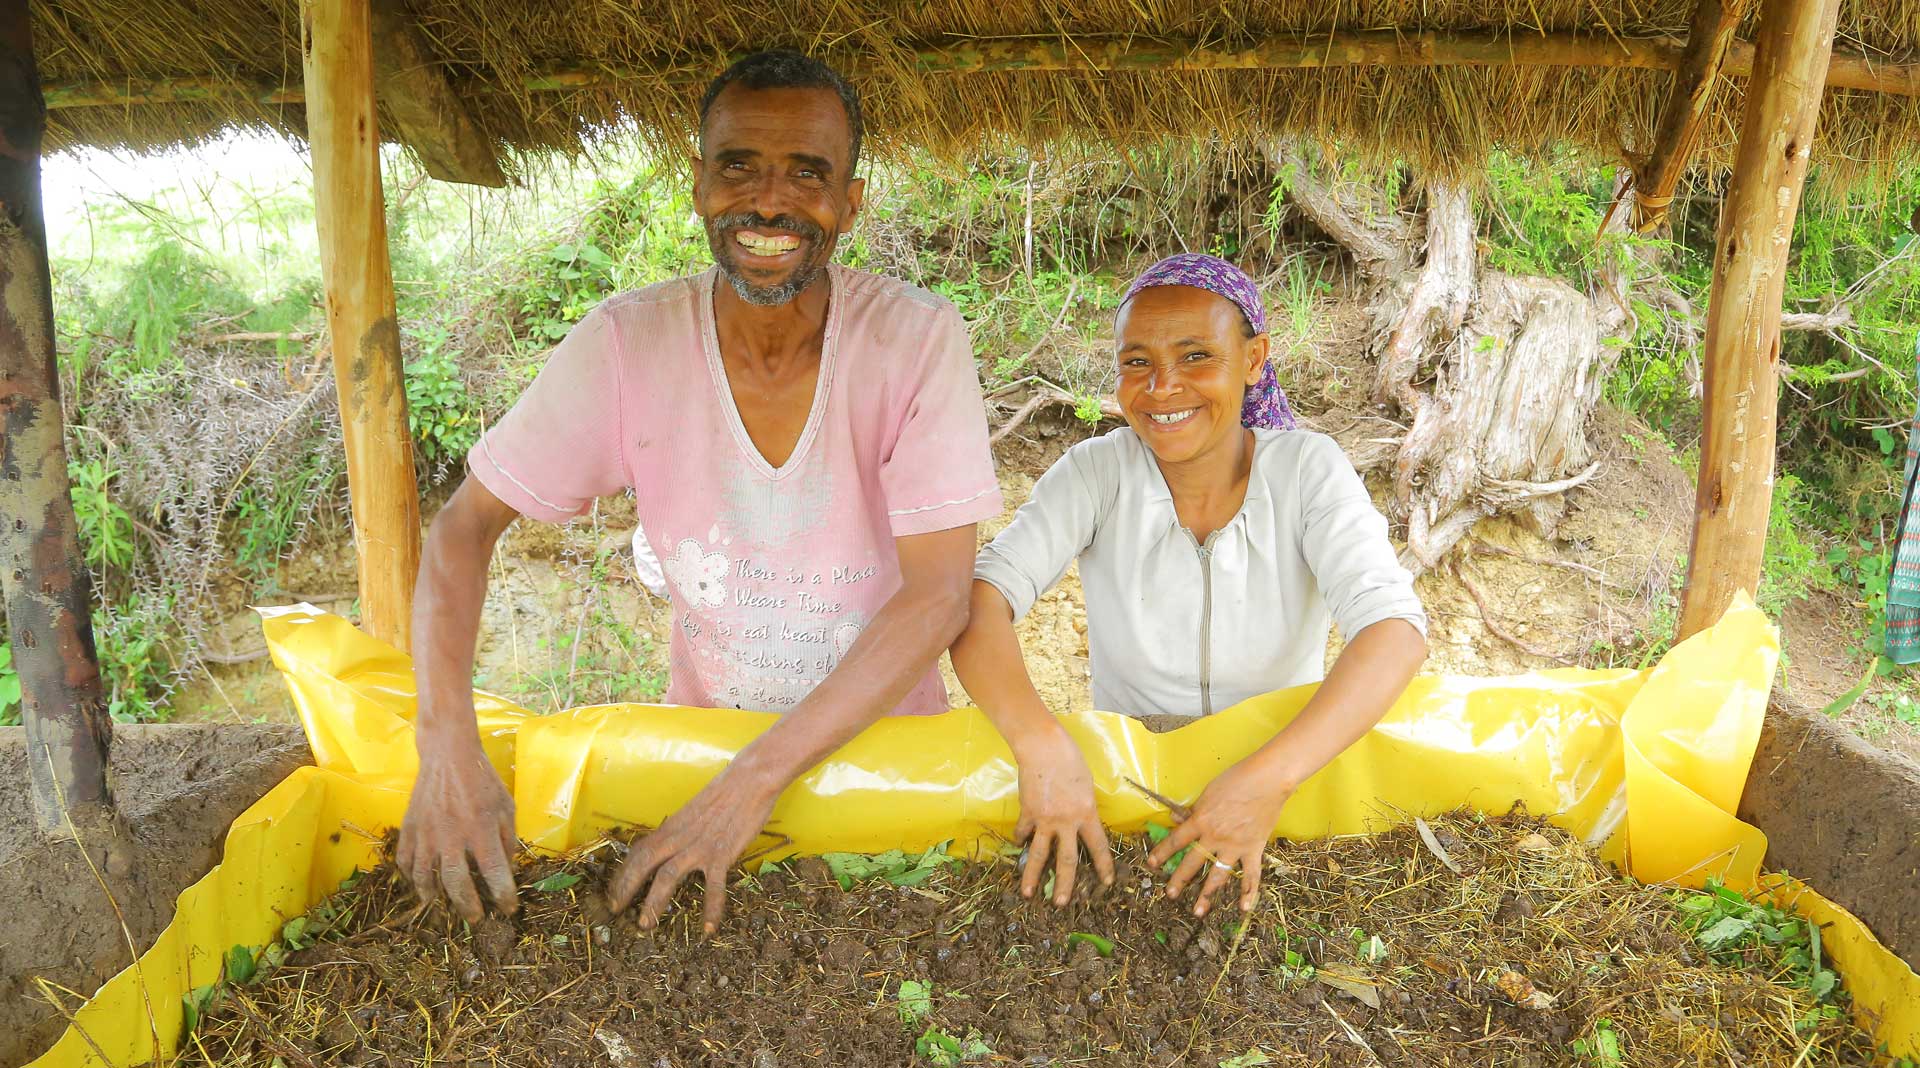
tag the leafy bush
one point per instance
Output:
(440, 412)
(9, 686)
(1796, 565)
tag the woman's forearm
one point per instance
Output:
(988, 661)
(1369, 675)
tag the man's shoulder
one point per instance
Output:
(656, 297)
(893, 294)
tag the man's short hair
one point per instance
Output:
(787, 69)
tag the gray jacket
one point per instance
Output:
(1184, 628)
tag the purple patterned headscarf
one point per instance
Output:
(1266, 404)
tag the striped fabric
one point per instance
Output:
(1903, 579)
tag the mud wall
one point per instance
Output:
(1843, 815)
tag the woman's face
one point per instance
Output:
(1185, 364)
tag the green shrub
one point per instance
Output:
(9, 686)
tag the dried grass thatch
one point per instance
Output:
(551, 76)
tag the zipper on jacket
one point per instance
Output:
(1205, 551)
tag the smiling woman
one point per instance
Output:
(1217, 546)
(1187, 361)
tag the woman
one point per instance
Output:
(1216, 545)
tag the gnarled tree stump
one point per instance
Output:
(1495, 375)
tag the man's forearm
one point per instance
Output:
(448, 598)
(890, 656)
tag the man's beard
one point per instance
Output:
(720, 231)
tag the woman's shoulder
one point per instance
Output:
(1115, 447)
(1100, 465)
(1284, 452)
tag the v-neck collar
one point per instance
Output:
(1159, 491)
(717, 369)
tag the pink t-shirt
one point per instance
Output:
(772, 573)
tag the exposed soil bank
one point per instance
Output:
(179, 787)
(1842, 814)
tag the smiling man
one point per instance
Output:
(808, 453)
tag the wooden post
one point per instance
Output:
(1742, 345)
(49, 594)
(1708, 39)
(337, 48)
(431, 117)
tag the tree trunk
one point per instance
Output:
(49, 593)
(1495, 375)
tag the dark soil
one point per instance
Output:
(179, 788)
(1367, 951)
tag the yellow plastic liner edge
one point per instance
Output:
(1650, 761)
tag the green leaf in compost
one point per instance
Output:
(1101, 945)
(195, 1004)
(1725, 931)
(240, 966)
(559, 880)
(294, 933)
(916, 1001)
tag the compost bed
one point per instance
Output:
(1367, 951)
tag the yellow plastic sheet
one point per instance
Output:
(1649, 763)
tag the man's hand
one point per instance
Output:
(460, 811)
(1057, 814)
(1228, 830)
(706, 836)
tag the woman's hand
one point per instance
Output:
(1057, 813)
(1228, 830)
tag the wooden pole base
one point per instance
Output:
(49, 592)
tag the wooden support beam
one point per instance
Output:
(1742, 345)
(337, 48)
(48, 591)
(1350, 48)
(428, 115)
(1708, 40)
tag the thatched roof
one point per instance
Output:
(554, 75)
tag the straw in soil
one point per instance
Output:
(1367, 951)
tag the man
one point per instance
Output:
(808, 452)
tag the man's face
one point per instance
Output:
(774, 185)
